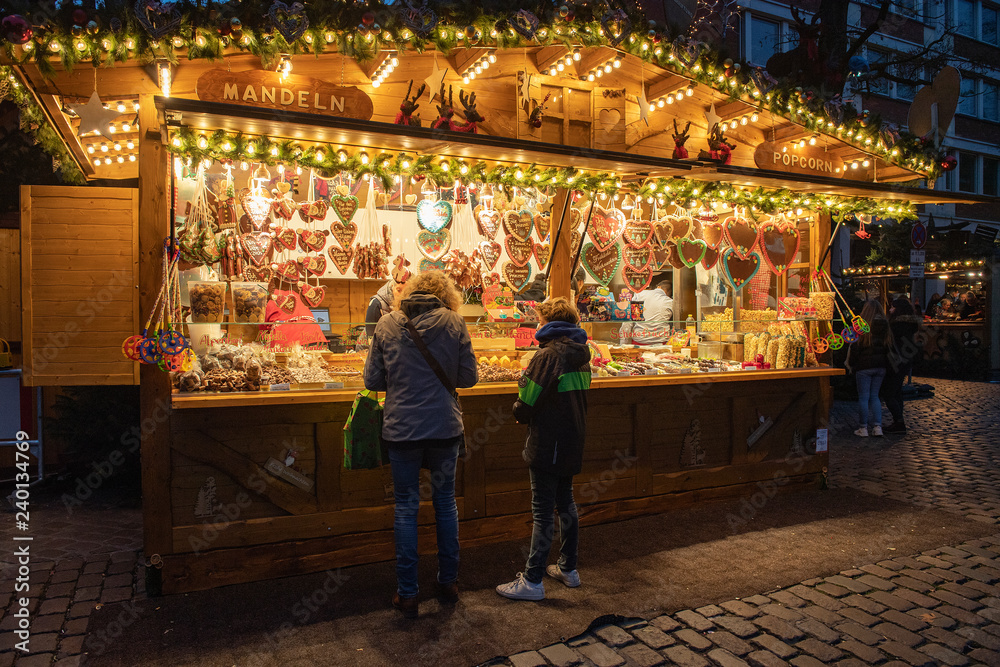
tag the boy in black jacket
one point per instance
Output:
(553, 401)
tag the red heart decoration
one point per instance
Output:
(257, 246)
(779, 243)
(637, 279)
(518, 224)
(490, 251)
(286, 302)
(740, 235)
(311, 240)
(517, 276)
(638, 233)
(489, 223)
(606, 227)
(312, 295)
(637, 258)
(712, 234)
(285, 236)
(341, 258)
(257, 274)
(543, 252)
(314, 264)
(519, 250)
(314, 210)
(711, 257)
(288, 271)
(283, 208)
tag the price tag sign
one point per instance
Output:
(281, 387)
(822, 440)
(333, 385)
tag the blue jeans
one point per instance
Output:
(552, 493)
(406, 485)
(869, 381)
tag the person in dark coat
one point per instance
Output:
(422, 422)
(904, 324)
(535, 291)
(552, 400)
(868, 359)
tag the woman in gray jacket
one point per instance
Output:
(423, 420)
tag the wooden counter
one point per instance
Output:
(653, 443)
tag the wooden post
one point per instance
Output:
(154, 384)
(560, 266)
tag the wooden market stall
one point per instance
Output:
(249, 484)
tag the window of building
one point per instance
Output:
(878, 85)
(974, 18)
(906, 91)
(990, 25)
(765, 37)
(967, 98)
(967, 163)
(991, 176)
(962, 17)
(991, 100)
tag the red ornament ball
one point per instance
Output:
(368, 18)
(948, 163)
(16, 29)
(79, 17)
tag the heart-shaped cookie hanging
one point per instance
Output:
(344, 206)
(433, 245)
(602, 265)
(779, 243)
(637, 279)
(285, 237)
(673, 255)
(314, 210)
(712, 234)
(344, 233)
(311, 240)
(606, 227)
(680, 226)
(518, 250)
(282, 208)
(711, 257)
(574, 239)
(518, 223)
(543, 252)
(490, 279)
(312, 295)
(543, 222)
(341, 258)
(517, 277)
(691, 251)
(286, 302)
(489, 222)
(663, 230)
(575, 217)
(257, 208)
(257, 246)
(638, 233)
(740, 235)
(433, 215)
(489, 252)
(637, 258)
(288, 271)
(431, 265)
(739, 270)
(314, 264)
(257, 274)
(661, 258)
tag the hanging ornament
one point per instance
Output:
(158, 18)
(948, 163)
(617, 26)
(291, 22)
(94, 117)
(862, 233)
(16, 29)
(421, 20)
(535, 118)
(524, 23)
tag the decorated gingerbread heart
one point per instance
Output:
(606, 227)
(257, 274)
(314, 210)
(288, 271)
(680, 226)
(739, 270)
(434, 245)
(518, 250)
(673, 255)
(691, 251)
(602, 265)
(637, 279)
(711, 257)
(285, 237)
(314, 264)
(311, 240)
(779, 243)
(517, 277)
(257, 246)
(345, 206)
(637, 258)
(740, 235)
(712, 234)
(256, 207)
(282, 208)
(489, 222)
(663, 230)
(341, 258)
(490, 279)
(518, 223)
(543, 252)
(575, 216)
(489, 252)
(433, 215)
(344, 233)
(312, 295)
(638, 233)
(542, 224)
(286, 302)
(431, 265)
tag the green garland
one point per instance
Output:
(114, 35)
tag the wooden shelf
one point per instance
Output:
(265, 398)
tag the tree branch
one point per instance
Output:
(883, 12)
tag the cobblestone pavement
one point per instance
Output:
(938, 607)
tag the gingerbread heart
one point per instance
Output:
(542, 223)
(283, 208)
(739, 270)
(711, 257)
(740, 235)
(286, 302)
(779, 245)
(638, 233)
(606, 227)
(314, 264)
(285, 237)
(517, 277)
(712, 234)
(344, 206)
(257, 274)
(287, 271)
(661, 259)
(257, 246)
(519, 250)
(637, 279)
(256, 207)
(543, 252)
(344, 233)
(575, 239)
(489, 252)
(637, 258)
(602, 265)
(312, 295)
(431, 265)
(311, 240)
(691, 251)
(433, 215)
(663, 230)
(575, 216)
(314, 210)
(680, 225)
(673, 255)
(341, 258)
(433, 245)
(518, 223)
(489, 222)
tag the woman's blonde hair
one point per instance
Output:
(436, 283)
(558, 309)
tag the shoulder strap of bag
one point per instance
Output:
(431, 361)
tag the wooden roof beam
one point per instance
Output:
(548, 56)
(463, 59)
(669, 84)
(53, 109)
(592, 57)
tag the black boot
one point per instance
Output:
(898, 427)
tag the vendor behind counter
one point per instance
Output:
(657, 314)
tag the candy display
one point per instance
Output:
(249, 301)
(208, 301)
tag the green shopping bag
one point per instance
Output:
(363, 433)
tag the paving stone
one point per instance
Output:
(765, 659)
(859, 616)
(908, 561)
(955, 642)
(977, 636)
(985, 656)
(961, 615)
(527, 659)
(820, 614)
(944, 655)
(946, 574)
(77, 626)
(817, 597)
(774, 645)
(987, 575)
(684, 656)
(561, 655)
(55, 606)
(709, 611)
(781, 612)
(740, 608)
(911, 623)
(916, 598)
(738, 626)
(91, 593)
(653, 637)
(988, 589)
(859, 632)
(642, 656)
(833, 590)
(866, 603)
(71, 645)
(730, 642)
(867, 654)
(614, 636)
(956, 600)
(933, 618)
(779, 627)
(601, 655)
(692, 639)
(665, 623)
(906, 654)
(896, 633)
(788, 598)
(877, 582)
(62, 576)
(757, 600)
(726, 659)
(36, 659)
(890, 600)
(694, 619)
(822, 650)
(933, 562)
(821, 631)
(850, 584)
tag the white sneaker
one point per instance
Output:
(571, 578)
(863, 432)
(877, 431)
(522, 589)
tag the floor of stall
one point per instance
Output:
(640, 567)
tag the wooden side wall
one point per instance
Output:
(649, 449)
(10, 284)
(79, 268)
